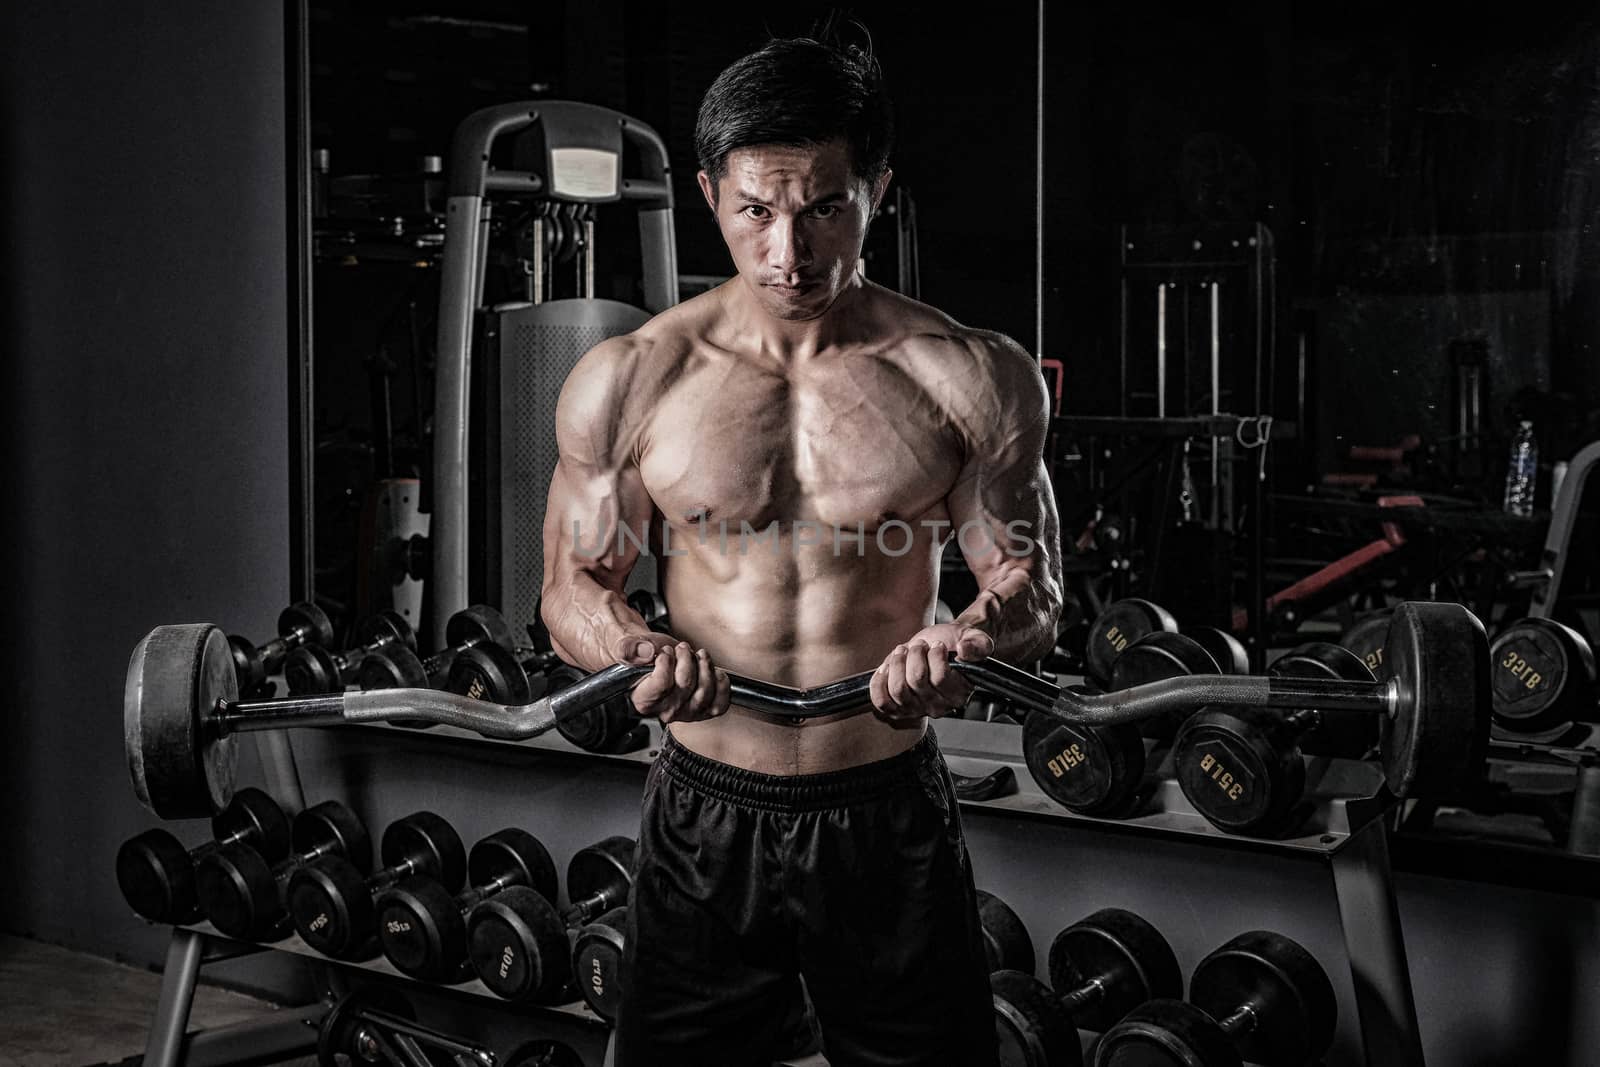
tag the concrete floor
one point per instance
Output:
(59, 1007)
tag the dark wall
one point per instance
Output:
(145, 404)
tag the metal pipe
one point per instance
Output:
(1161, 351)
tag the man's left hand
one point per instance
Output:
(915, 680)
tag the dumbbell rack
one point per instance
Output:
(1347, 832)
(202, 943)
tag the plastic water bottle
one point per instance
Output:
(1522, 470)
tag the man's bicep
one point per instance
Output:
(598, 511)
(1004, 515)
(1002, 506)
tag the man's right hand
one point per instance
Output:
(685, 685)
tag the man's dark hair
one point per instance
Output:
(798, 91)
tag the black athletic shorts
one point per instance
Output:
(856, 880)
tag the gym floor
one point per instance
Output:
(63, 1007)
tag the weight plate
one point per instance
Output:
(1542, 677)
(429, 844)
(310, 621)
(1005, 939)
(1092, 770)
(1166, 1033)
(156, 875)
(597, 962)
(1031, 1027)
(1438, 738)
(518, 853)
(388, 628)
(603, 868)
(1350, 734)
(1294, 1006)
(1121, 624)
(518, 946)
(476, 624)
(179, 768)
(1366, 640)
(1119, 953)
(258, 818)
(1226, 649)
(1237, 778)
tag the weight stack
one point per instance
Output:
(530, 349)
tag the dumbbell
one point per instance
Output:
(1101, 967)
(597, 962)
(299, 624)
(331, 901)
(1101, 770)
(156, 873)
(1006, 943)
(423, 928)
(394, 668)
(1260, 998)
(517, 941)
(242, 893)
(1245, 771)
(314, 669)
(1120, 624)
(1366, 639)
(1542, 678)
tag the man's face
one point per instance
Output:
(794, 220)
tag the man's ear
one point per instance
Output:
(709, 188)
(881, 188)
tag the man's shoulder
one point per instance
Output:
(938, 343)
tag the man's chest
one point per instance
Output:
(859, 444)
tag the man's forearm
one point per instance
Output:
(586, 620)
(1019, 609)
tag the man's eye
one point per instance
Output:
(755, 211)
(825, 211)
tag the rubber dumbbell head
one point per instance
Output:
(597, 962)
(1006, 943)
(1091, 770)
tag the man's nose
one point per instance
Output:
(786, 248)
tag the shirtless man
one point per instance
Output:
(801, 443)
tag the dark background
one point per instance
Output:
(1437, 161)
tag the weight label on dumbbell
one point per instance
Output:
(1221, 777)
(1070, 757)
(1522, 670)
(395, 926)
(319, 922)
(1116, 638)
(507, 958)
(1374, 661)
(597, 979)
